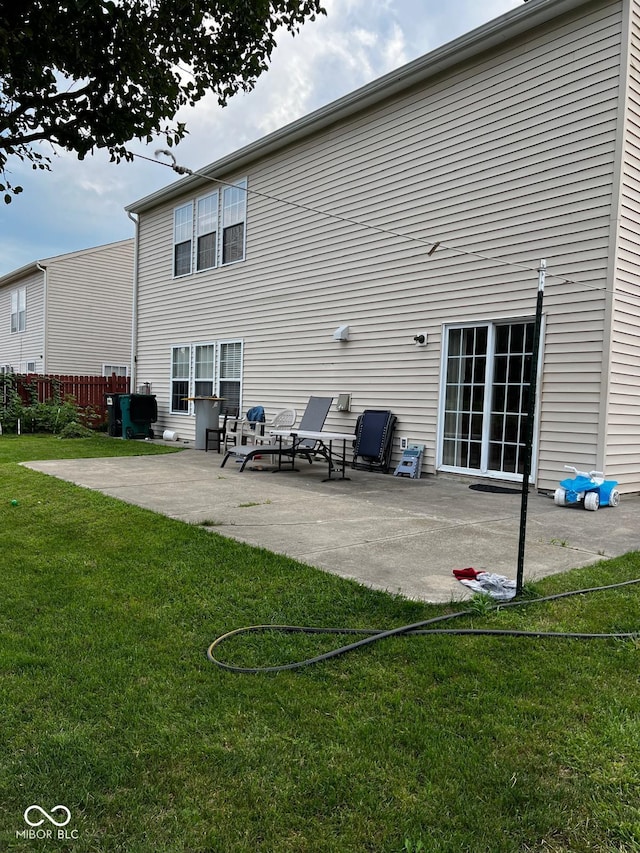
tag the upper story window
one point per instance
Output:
(19, 309)
(211, 231)
(206, 231)
(182, 232)
(234, 211)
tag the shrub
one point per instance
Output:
(51, 416)
(75, 430)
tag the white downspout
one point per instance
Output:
(134, 305)
(43, 270)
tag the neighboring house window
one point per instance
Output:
(19, 310)
(206, 231)
(234, 207)
(118, 369)
(180, 362)
(230, 373)
(27, 367)
(196, 372)
(204, 372)
(182, 232)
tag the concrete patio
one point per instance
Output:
(392, 533)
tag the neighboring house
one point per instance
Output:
(70, 314)
(422, 204)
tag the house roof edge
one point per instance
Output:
(506, 26)
(33, 266)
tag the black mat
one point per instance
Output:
(498, 490)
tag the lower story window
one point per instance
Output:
(180, 361)
(230, 374)
(118, 369)
(206, 370)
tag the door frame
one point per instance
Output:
(484, 471)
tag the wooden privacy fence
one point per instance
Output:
(85, 390)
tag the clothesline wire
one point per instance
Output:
(432, 244)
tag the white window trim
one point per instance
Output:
(172, 379)
(491, 324)
(221, 343)
(177, 242)
(190, 411)
(193, 379)
(241, 183)
(18, 311)
(197, 235)
(113, 367)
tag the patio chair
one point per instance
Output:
(374, 437)
(281, 420)
(313, 420)
(244, 430)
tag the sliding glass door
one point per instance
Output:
(486, 397)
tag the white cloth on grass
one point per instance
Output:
(497, 586)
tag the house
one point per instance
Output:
(70, 314)
(416, 211)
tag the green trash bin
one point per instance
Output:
(138, 412)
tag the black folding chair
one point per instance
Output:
(374, 440)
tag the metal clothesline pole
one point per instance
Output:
(526, 471)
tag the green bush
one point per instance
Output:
(51, 416)
(75, 430)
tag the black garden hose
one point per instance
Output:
(417, 628)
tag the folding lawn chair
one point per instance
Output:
(374, 437)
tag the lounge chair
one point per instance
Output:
(313, 420)
(374, 437)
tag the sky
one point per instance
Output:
(80, 204)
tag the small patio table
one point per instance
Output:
(325, 439)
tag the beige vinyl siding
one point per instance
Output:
(509, 156)
(623, 434)
(89, 300)
(20, 347)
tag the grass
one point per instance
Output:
(27, 448)
(109, 706)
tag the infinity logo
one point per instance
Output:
(48, 816)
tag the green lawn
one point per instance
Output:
(109, 706)
(24, 448)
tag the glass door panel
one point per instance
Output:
(510, 397)
(486, 397)
(464, 397)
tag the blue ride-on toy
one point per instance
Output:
(590, 489)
